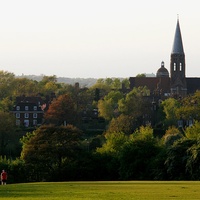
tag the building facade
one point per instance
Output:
(175, 83)
(29, 111)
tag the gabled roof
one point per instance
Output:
(178, 44)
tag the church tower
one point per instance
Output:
(177, 65)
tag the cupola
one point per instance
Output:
(162, 71)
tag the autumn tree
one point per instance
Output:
(61, 111)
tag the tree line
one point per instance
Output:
(105, 132)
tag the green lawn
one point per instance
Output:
(118, 190)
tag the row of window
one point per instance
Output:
(26, 108)
(26, 115)
(180, 67)
(26, 123)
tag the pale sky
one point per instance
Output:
(96, 38)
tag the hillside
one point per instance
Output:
(83, 82)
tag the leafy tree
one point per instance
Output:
(138, 154)
(177, 157)
(6, 104)
(172, 134)
(126, 83)
(141, 75)
(108, 81)
(123, 123)
(47, 79)
(183, 157)
(114, 143)
(190, 107)
(24, 86)
(7, 132)
(116, 84)
(49, 85)
(135, 105)
(108, 107)
(61, 111)
(6, 84)
(109, 154)
(193, 132)
(49, 149)
(170, 107)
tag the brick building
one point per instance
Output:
(29, 111)
(175, 83)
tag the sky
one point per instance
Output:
(96, 38)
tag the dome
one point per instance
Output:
(162, 71)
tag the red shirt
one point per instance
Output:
(3, 175)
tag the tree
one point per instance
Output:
(6, 104)
(141, 75)
(138, 154)
(170, 107)
(108, 107)
(177, 157)
(6, 84)
(189, 107)
(123, 123)
(114, 143)
(193, 132)
(49, 149)
(24, 86)
(116, 84)
(61, 111)
(135, 105)
(7, 132)
(172, 134)
(109, 154)
(126, 83)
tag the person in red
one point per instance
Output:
(3, 177)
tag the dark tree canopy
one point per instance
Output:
(49, 147)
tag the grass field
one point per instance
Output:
(119, 190)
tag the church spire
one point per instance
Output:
(178, 44)
(177, 65)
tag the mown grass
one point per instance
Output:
(151, 190)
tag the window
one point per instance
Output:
(18, 108)
(17, 115)
(26, 115)
(180, 123)
(174, 66)
(26, 107)
(17, 122)
(26, 123)
(34, 107)
(34, 122)
(34, 115)
(180, 66)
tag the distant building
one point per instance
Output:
(29, 111)
(175, 83)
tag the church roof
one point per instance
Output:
(162, 71)
(178, 44)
